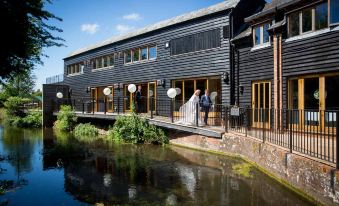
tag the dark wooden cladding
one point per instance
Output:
(313, 55)
(211, 62)
(254, 66)
(196, 42)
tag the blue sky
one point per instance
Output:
(89, 21)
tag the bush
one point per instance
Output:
(133, 129)
(14, 106)
(32, 120)
(86, 130)
(66, 119)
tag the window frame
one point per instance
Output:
(300, 17)
(261, 37)
(148, 52)
(145, 47)
(74, 69)
(329, 15)
(125, 56)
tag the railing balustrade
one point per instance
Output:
(310, 132)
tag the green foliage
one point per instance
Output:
(27, 33)
(33, 119)
(133, 129)
(85, 130)
(66, 119)
(14, 106)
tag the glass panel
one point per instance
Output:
(202, 85)
(255, 99)
(94, 64)
(311, 100)
(334, 8)
(127, 99)
(307, 20)
(294, 101)
(111, 60)
(294, 24)
(266, 37)
(128, 57)
(331, 100)
(321, 16)
(189, 89)
(135, 55)
(257, 35)
(179, 97)
(110, 101)
(151, 94)
(105, 61)
(215, 90)
(99, 63)
(152, 52)
(144, 53)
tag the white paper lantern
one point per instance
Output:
(171, 93)
(107, 91)
(178, 91)
(59, 95)
(132, 88)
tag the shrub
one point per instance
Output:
(133, 129)
(32, 120)
(86, 130)
(14, 106)
(66, 119)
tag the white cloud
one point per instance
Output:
(132, 16)
(121, 28)
(90, 28)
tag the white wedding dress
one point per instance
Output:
(187, 112)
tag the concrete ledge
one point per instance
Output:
(313, 179)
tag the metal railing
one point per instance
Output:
(310, 132)
(55, 79)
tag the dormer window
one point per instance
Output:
(308, 20)
(260, 34)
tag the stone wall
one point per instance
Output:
(315, 179)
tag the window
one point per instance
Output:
(128, 57)
(261, 35)
(105, 61)
(196, 42)
(152, 54)
(334, 14)
(144, 53)
(135, 55)
(111, 60)
(307, 20)
(321, 16)
(75, 68)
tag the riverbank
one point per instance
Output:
(312, 179)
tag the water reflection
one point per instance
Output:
(74, 172)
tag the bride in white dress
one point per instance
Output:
(187, 112)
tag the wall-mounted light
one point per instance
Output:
(241, 89)
(167, 44)
(88, 89)
(59, 95)
(70, 92)
(226, 77)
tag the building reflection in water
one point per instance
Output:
(123, 174)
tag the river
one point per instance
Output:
(39, 167)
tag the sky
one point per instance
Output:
(86, 22)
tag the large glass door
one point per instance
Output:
(109, 100)
(261, 104)
(128, 98)
(151, 95)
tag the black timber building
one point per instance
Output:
(190, 52)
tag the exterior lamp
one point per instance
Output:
(59, 95)
(88, 89)
(107, 91)
(132, 88)
(226, 77)
(171, 93)
(241, 89)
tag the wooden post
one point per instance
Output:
(226, 119)
(337, 140)
(105, 105)
(92, 105)
(151, 99)
(118, 105)
(171, 110)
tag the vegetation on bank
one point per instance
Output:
(128, 129)
(86, 130)
(66, 119)
(15, 114)
(134, 129)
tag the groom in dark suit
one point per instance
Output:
(205, 103)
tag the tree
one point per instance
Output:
(21, 85)
(25, 34)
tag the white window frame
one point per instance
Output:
(261, 39)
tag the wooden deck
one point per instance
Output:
(161, 121)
